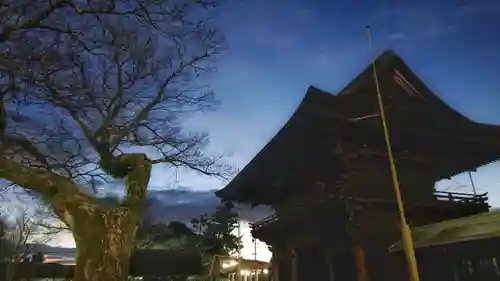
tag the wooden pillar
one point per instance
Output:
(217, 267)
(361, 268)
(282, 263)
(331, 270)
(294, 276)
(272, 273)
(276, 271)
(238, 276)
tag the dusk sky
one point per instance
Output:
(278, 48)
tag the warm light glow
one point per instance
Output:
(229, 264)
(245, 272)
(265, 271)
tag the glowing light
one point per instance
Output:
(265, 271)
(229, 264)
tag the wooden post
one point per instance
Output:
(450, 196)
(331, 271)
(238, 276)
(294, 265)
(275, 272)
(361, 269)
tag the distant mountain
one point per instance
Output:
(52, 251)
(183, 205)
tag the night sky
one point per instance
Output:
(276, 51)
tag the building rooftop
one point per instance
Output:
(301, 152)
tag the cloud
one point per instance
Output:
(416, 21)
(397, 36)
(426, 20)
(183, 205)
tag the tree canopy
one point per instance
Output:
(211, 234)
(83, 82)
(173, 235)
(217, 230)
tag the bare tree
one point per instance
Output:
(96, 90)
(21, 232)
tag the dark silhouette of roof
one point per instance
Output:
(418, 120)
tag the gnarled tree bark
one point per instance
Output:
(104, 243)
(104, 236)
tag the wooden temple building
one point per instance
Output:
(327, 177)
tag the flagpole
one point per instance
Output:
(239, 276)
(472, 183)
(405, 228)
(239, 233)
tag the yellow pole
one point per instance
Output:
(405, 228)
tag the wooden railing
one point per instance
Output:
(455, 197)
(461, 197)
(268, 220)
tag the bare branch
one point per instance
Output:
(97, 90)
(39, 180)
(206, 166)
(21, 233)
(57, 190)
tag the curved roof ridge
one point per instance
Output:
(388, 63)
(312, 95)
(366, 75)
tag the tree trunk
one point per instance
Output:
(104, 242)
